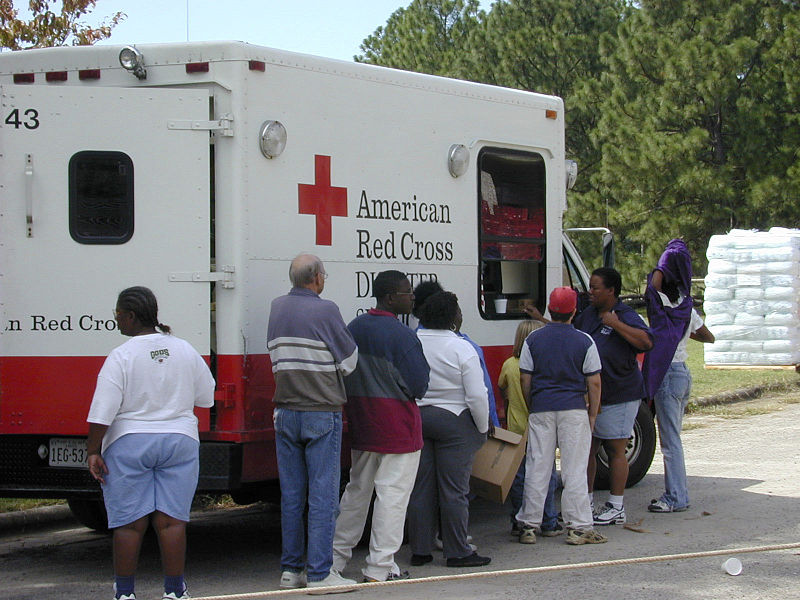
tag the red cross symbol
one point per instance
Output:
(322, 200)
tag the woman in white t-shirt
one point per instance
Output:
(143, 443)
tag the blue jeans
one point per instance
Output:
(550, 513)
(671, 400)
(308, 448)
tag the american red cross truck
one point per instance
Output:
(200, 170)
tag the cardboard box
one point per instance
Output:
(496, 464)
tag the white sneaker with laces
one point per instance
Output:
(610, 515)
(333, 579)
(291, 580)
(173, 596)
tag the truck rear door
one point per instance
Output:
(99, 191)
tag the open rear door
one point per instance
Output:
(98, 192)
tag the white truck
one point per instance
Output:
(200, 170)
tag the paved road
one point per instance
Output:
(745, 493)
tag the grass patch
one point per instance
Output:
(212, 501)
(689, 425)
(708, 382)
(12, 504)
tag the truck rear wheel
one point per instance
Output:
(89, 513)
(640, 450)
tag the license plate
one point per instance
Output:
(67, 452)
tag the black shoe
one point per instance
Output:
(471, 560)
(420, 559)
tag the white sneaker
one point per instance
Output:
(174, 596)
(609, 515)
(291, 580)
(333, 579)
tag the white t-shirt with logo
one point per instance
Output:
(151, 384)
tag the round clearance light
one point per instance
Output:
(571, 168)
(457, 160)
(132, 60)
(272, 139)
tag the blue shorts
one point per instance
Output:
(615, 421)
(150, 472)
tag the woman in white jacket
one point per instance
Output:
(455, 420)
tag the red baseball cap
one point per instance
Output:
(562, 300)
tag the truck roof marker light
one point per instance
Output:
(457, 160)
(200, 67)
(272, 139)
(23, 77)
(551, 114)
(132, 60)
(56, 76)
(257, 65)
(89, 74)
(571, 169)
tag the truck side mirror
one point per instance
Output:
(608, 249)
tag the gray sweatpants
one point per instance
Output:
(442, 484)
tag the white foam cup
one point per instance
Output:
(732, 566)
(500, 305)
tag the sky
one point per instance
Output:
(329, 28)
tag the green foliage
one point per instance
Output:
(48, 28)
(697, 131)
(684, 116)
(429, 36)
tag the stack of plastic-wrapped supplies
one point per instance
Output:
(751, 297)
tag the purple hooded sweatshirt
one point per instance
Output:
(668, 324)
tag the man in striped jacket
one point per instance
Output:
(311, 352)
(385, 428)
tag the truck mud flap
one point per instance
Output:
(220, 467)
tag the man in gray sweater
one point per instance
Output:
(311, 352)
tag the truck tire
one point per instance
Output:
(89, 513)
(640, 451)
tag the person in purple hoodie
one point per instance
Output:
(668, 381)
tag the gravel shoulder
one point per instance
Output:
(743, 462)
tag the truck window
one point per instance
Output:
(511, 232)
(100, 197)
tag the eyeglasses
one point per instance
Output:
(403, 293)
(324, 275)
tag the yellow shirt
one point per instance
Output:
(517, 415)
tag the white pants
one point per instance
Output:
(569, 430)
(392, 477)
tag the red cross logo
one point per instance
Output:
(322, 200)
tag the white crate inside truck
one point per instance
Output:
(751, 298)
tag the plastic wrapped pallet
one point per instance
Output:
(752, 297)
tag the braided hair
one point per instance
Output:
(142, 303)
